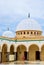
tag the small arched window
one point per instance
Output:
(24, 32)
(27, 32)
(21, 32)
(34, 32)
(37, 33)
(31, 32)
(18, 33)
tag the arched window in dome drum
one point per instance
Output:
(18, 33)
(27, 32)
(21, 32)
(31, 32)
(35, 33)
(24, 32)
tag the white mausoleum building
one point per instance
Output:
(28, 44)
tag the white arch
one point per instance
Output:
(21, 45)
(34, 44)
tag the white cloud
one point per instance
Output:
(11, 7)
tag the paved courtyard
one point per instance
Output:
(24, 63)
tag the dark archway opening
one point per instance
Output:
(21, 54)
(25, 55)
(12, 49)
(4, 53)
(37, 55)
(33, 55)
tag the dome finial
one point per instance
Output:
(28, 15)
(8, 28)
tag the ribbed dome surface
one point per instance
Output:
(8, 34)
(28, 24)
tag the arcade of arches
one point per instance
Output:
(22, 54)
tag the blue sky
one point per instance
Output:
(13, 11)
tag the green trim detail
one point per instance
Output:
(28, 40)
(19, 40)
(6, 39)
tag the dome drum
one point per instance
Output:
(28, 33)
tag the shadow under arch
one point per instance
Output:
(4, 53)
(42, 53)
(12, 49)
(21, 52)
(33, 53)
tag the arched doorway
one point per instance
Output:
(11, 49)
(4, 53)
(21, 53)
(12, 53)
(42, 53)
(34, 53)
